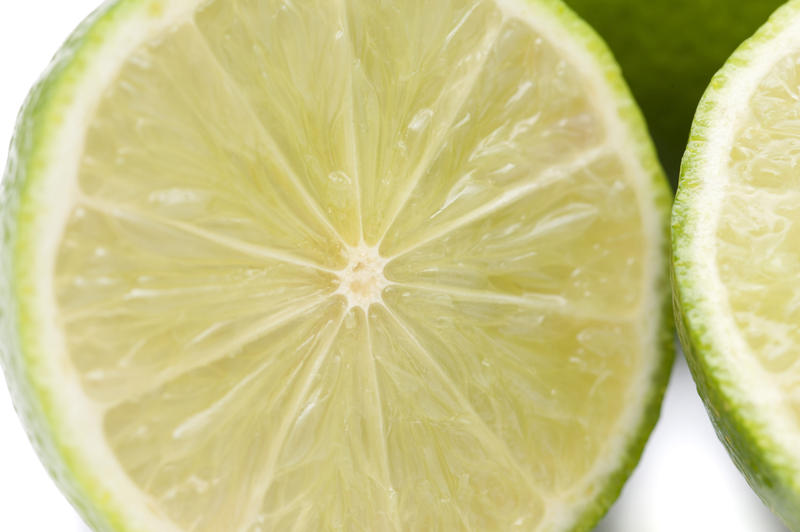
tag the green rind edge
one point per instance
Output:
(738, 424)
(632, 117)
(26, 162)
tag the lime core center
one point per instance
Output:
(363, 280)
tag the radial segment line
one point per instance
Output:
(350, 123)
(546, 178)
(255, 332)
(546, 303)
(179, 87)
(437, 144)
(201, 419)
(279, 157)
(490, 438)
(386, 470)
(253, 250)
(284, 429)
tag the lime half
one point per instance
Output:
(736, 235)
(318, 265)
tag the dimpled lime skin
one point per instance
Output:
(21, 347)
(669, 50)
(771, 474)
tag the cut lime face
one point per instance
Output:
(736, 231)
(346, 265)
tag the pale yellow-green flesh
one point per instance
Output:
(759, 231)
(227, 173)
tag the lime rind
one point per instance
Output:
(71, 466)
(41, 114)
(742, 426)
(632, 117)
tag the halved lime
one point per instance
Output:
(736, 235)
(335, 265)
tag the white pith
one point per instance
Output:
(361, 282)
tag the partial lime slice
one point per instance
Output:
(736, 235)
(668, 51)
(317, 265)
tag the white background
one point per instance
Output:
(684, 483)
